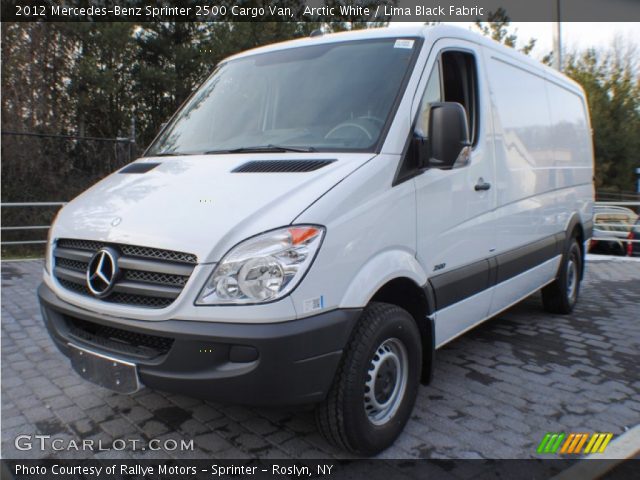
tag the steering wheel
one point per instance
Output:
(360, 124)
(373, 119)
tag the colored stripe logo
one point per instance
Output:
(574, 443)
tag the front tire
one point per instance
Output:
(376, 385)
(562, 295)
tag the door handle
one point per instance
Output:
(482, 185)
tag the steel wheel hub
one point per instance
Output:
(386, 381)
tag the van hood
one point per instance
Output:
(198, 204)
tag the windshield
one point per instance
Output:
(329, 97)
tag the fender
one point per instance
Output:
(382, 268)
(398, 265)
(576, 221)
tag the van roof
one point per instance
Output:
(431, 32)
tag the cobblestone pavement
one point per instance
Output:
(497, 390)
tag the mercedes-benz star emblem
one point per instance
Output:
(102, 272)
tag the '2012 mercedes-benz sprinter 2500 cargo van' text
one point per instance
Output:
(322, 215)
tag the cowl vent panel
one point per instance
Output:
(281, 166)
(142, 167)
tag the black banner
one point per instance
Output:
(369, 469)
(319, 10)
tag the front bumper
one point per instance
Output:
(276, 364)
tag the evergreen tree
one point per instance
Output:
(612, 85)
(497, 28)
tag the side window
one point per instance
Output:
(459, 81)
(432, 94)
(453, 79)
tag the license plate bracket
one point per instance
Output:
(105, 371)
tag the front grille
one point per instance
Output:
(72, 264)
(129, 250)
(122, 298)
(75, 287)
(79, 244)
(139, 300)
(118, 340)
(147, 277)
(155, 277)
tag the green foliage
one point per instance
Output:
(611, 81)
(102, 82)
(497, 28)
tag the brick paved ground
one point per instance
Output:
(497, 390)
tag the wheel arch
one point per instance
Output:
(398, 279)
(575, 229)
(418, 301)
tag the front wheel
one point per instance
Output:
(376, 385)
(562, 295)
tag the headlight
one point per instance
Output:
(263, 268)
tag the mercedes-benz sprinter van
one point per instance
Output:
(319, 218)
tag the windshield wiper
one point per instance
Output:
(266, 148)
(170, 154)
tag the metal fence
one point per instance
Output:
(19, 228)
(47, 166)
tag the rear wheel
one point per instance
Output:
(562, 295)
(376, 385)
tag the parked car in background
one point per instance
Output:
(633, 248)
(611, 229)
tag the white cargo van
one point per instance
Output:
(321, 216)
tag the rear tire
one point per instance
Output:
(562, 295)
(376, 384)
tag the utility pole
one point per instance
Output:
(132, 138)
(557, 40)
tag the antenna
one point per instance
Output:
(557, 40)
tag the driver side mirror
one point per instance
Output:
(448, 134)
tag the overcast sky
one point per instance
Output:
(575, 35)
